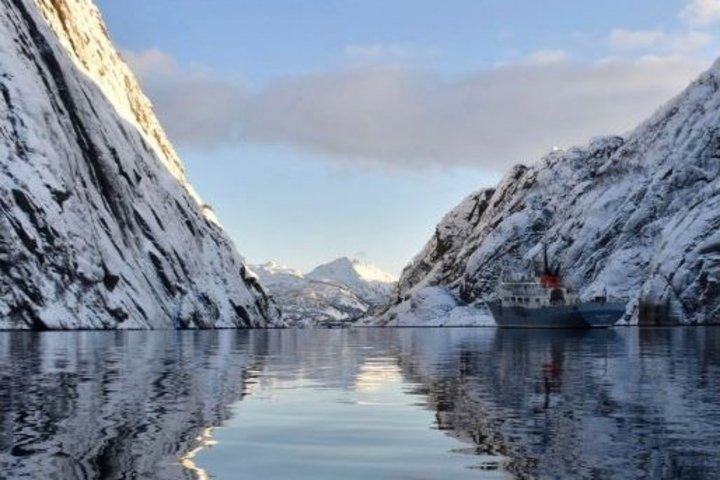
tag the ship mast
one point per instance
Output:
(549, 278)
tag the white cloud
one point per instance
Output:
(622, 38)
(194, 106)
(546, 56)
(388, 53)
(702, 13)
(693, 38)
(375, 51)
(399, 116)
(151, 62)
(660, 41)
(689, 41)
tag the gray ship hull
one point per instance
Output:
(584, 315)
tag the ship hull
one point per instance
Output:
(586, 315)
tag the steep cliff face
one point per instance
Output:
(98, 226)
(638, 217)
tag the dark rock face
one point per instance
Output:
(98, 226)
(638, 217)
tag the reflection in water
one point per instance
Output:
(104, 404)
(620, 403)
(205, 440)
(623, 403)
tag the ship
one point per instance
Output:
(544, 302)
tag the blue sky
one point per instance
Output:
(321, 129)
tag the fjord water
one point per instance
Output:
(364, 403)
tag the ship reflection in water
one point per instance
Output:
(366, 403)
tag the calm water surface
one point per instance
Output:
(361, 404)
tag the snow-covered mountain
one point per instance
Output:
(98, 226)
(368, 281)
(343, 290)
(637, 216)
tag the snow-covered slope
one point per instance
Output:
(340, 291)
(98, 226)
(368, 281)
(638, 216)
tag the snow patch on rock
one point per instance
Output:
(437, 307)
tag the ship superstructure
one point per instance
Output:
(544, 302)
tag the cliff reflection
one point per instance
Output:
(113, 405)
(609, 404)
(612, 404)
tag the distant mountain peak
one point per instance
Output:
(351, 271)
(278, 268)
(343, 290)
(372, 272)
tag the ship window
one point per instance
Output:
(537, 300)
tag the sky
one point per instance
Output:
(320, 129)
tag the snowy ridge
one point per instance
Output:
(638, 217)
(98, 228)
(331, 293)
(80, 29)
(367, 280)
(372, 273)
(100, 61)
